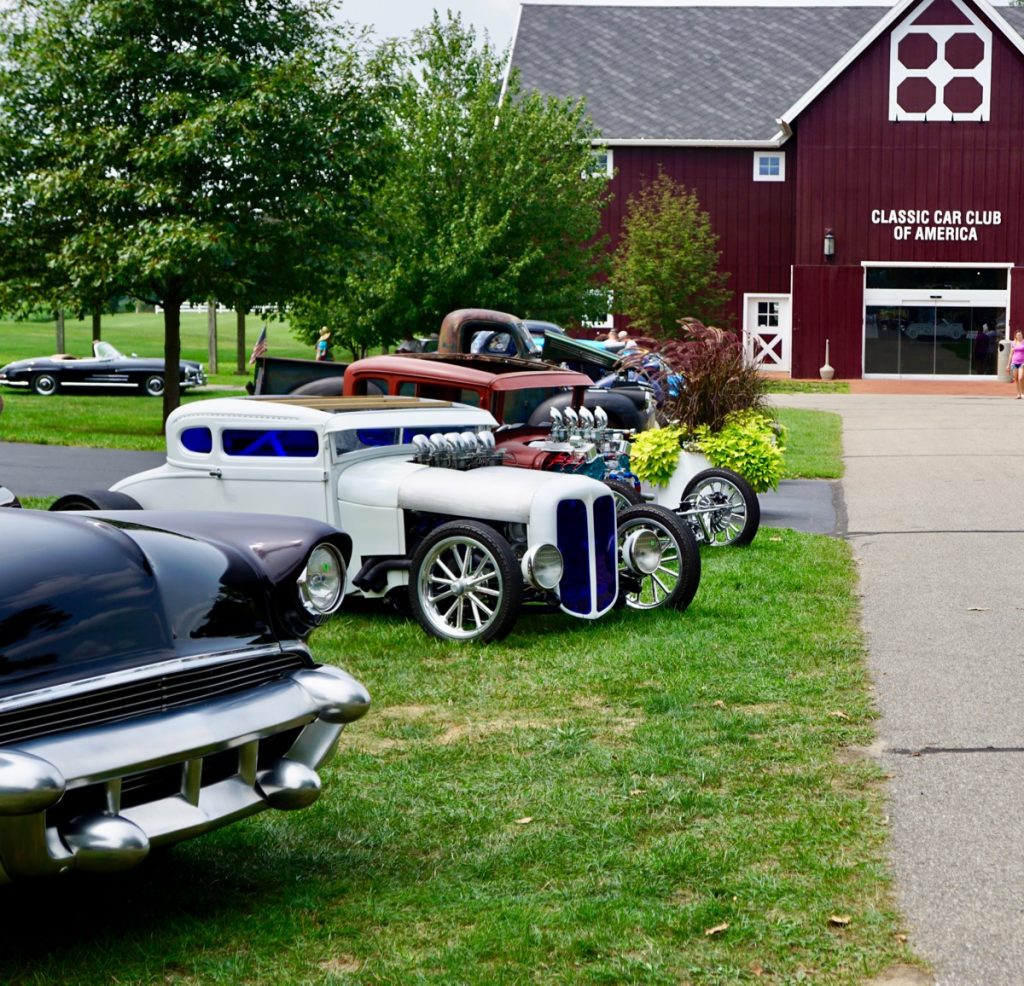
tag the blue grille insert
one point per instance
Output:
(607, 550)
(574, 543)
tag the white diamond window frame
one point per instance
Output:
(940, 72)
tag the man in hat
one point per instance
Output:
(323, 344)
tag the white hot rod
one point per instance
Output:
(433, 516)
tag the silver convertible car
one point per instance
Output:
(107, 371)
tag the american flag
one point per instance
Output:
(260, 349)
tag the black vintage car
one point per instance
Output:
(107, 371)
(154, 679)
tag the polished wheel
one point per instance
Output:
(623, 494)
(674, 582)
(465, 583)
(45, 384)
(154, 385)
(721, 508)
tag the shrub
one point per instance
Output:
(655, 454)
(751, 443)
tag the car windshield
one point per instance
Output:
(104, 350)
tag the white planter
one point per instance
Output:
(690, 463)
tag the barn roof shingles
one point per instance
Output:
(714, 74)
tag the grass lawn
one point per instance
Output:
(814, 443)
(652, 798)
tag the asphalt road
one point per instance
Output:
(932, 490)
(49, 470)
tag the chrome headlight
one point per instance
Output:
(641, 551)
(542, 566)
(322, 582)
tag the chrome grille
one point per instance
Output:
(144, 697)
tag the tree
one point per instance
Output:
(486, 203)
(175, 150)
(666, 264)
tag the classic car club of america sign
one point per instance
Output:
(936, 224)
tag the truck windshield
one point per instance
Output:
(519, 405)
(352, 440)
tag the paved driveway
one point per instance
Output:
(933, 490)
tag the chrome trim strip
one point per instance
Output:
(129, 676)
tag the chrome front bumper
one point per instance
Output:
(91, 766)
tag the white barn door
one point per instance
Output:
(768, 331)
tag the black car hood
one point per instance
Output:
(83, 596)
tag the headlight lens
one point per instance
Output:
(641, 551)
(542, 566)
(322, 581)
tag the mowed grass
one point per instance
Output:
(814, 443)
(652, 798)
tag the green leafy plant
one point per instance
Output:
(751, 443)
(655, 454)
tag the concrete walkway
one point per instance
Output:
(933, 490)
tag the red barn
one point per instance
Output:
(862, 166)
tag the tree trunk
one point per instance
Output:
(211, 333)
(60, 330)
(172, 353)
(241, 365)
(96, 324)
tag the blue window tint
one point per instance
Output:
(377, 437)
(197, 440)
(271, 442)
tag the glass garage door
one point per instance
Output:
(951, 328)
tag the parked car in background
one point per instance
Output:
(155, 681)
(107, 371)
(437, 524)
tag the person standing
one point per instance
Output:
(1016, 364)
(323, 345)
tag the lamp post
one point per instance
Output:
(828, 247)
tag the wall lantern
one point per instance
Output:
(829, 245)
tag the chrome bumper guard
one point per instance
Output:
(36, 775)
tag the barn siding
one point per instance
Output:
(853, 160)
(753, 220)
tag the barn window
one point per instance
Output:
(769, 166)
(601, 165)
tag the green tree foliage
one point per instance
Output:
(666, 264)
(174, 150)
(486, 203)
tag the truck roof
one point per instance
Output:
(491, 372)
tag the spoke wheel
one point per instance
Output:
(673, 584)
(465, 584)
(721, 508)
(623, 494)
